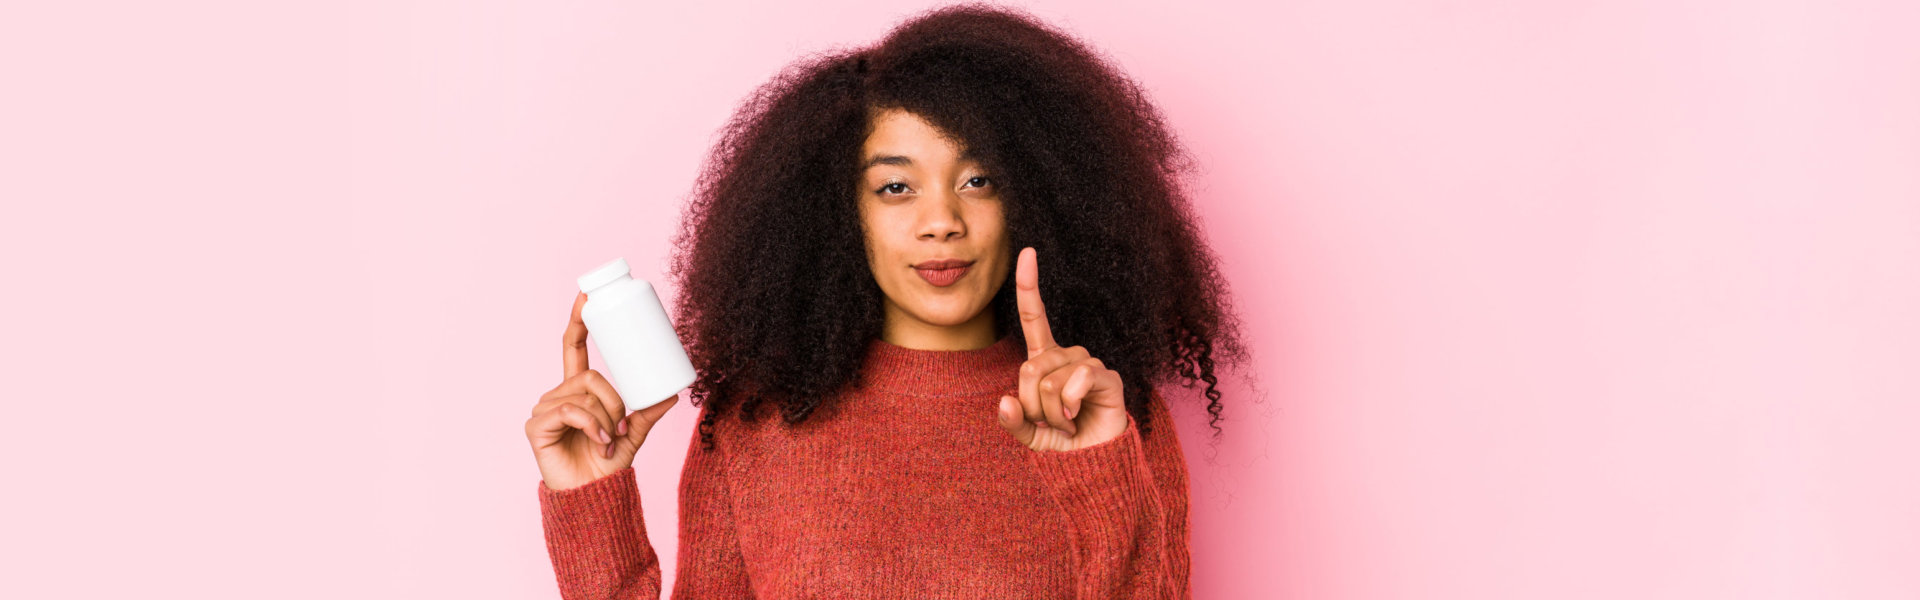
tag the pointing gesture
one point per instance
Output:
(1068, 399)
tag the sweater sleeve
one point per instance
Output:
(1125, 501)
(598, 541)
(599, 546)
(710, 563)
(1169, 466)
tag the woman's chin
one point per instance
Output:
(945, 315)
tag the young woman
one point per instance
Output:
(867, 254)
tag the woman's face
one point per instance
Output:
(922, 201)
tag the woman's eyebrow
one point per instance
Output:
(902, 161)
(888, 159)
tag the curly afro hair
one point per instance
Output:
(777, 304)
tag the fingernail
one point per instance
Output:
(603, 437)
(609, 451)
(1070, 412)
(623, 427)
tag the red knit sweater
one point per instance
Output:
(907, 487)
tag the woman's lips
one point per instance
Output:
(942, 277)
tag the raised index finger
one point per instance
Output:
(573, 343)
(1033, 314)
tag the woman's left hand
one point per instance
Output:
(1068, 399)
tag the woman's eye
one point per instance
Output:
(978, 181)
(889, 188)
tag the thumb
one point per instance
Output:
(627, 445)
(1010, 419)
(652, 414)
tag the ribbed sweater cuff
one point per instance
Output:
(595, 533)
(1105, 489)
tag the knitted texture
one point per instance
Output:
(906, 488)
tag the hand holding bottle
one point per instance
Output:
(580, 430)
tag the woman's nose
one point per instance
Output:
(941, 219)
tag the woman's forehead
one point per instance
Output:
(901, 138)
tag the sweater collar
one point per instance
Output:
(928, 373)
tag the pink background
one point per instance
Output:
(1550, 300)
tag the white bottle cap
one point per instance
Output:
(607, 273)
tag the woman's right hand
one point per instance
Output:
(580, 430)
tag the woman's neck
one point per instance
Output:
(907, 332)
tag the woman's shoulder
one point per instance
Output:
(727, 429)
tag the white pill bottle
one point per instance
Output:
(626, 321)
